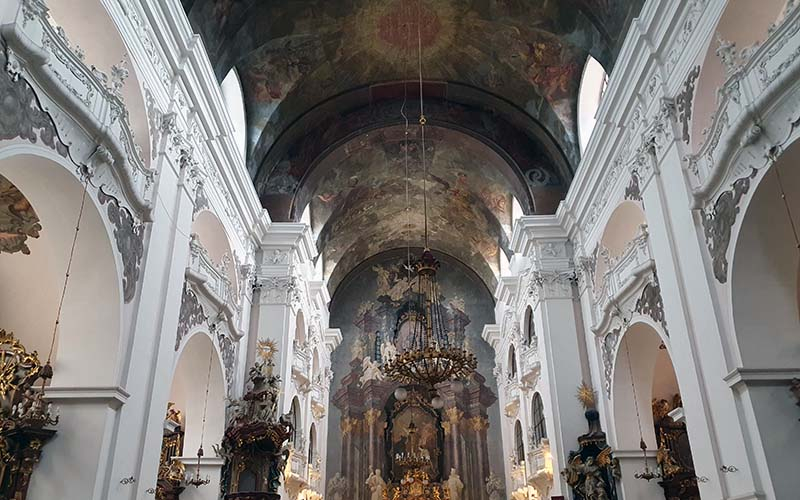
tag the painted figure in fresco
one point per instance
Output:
(388, 351)
(371, 371)
(359, 349)
(376, 485)
(337, 487)
(454, 485)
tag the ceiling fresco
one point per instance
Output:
(18, 220)
(358, 203)
(292, 56)
(323, 84)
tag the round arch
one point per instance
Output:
(765, 314)
(33, 283)
(88, 25)
(198, 367)
(214, 239)
(741, 23)
(622, 227)
(519, 443)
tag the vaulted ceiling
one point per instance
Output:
(324, 82)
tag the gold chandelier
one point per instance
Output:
(433, 355)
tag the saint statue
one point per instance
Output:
(376, 485)
(454, 485)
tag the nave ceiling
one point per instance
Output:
(324, 83)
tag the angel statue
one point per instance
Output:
(388, 351)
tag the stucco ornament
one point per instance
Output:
(683, 102)
(718, 221)
(608, 347)
(21, 115)
(651, 302)
(191, 314)
(129, 236)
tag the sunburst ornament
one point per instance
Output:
(586, 396)
(266, 349)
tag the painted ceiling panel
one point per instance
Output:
(359, 200)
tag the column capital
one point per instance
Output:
(543, 239)
(285, 243)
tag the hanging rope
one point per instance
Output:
(66, 275)
(786, 206)
(635, 400)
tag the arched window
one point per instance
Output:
(295, 419)
(512, 363)
(538, 427)
(312, 444)
(593, 84)
(530, 328)
(232, 94)
(519, 444)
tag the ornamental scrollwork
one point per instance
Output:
(718, 223)
(191, 314)
(129, 236)
(651, 303)
(608, 348)
(21, 114)
(683, 102)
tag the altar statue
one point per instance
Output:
(376, 485)
(454, 485)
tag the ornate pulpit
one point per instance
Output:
(254, 444)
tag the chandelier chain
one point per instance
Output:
(422, 121)
(786, 206)
(69, 269)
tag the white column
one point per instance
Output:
(551, 278)
(696, 346)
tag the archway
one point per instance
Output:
(198, 392)
(624, 224)
(85, 354)
(214, 239)
(646, 404)
(89, 26)
(764, 308)
(743, 24)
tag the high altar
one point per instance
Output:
(375, 433)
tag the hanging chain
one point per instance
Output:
(786, 206)
(205, 403)
(69, 268)
(405, 153)
(422, 120)
(635, 400)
